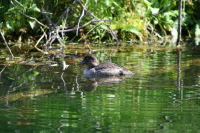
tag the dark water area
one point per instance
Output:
(163, 96)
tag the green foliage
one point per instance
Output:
(131, 29)
(4, 6)
(13, 20)
(15, 24)
(130, 18)
(165, 21)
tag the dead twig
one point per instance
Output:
(66, 12)
(5, 40)
(155, 33)
(74, 29)
(57, 30)
(80, 18)
(113, 34)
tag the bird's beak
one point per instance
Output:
(82, 62)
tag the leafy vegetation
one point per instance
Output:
(129, 19)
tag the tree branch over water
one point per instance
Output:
(56, 31)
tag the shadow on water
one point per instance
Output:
(48, 95)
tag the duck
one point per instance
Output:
(102, 69)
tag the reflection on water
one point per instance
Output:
(94, 81)
(162, 97)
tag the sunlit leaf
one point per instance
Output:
(131, 29)
(107, 3)
(154, 10)
(8, 25)
(36, 72)
(32, 24)
(147, 2)
(104, 27)
(34, 7)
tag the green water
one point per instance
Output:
(162, 97)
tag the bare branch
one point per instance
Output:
(93, 28)
(5, 40)
(111, 31)
(83, 12)
(68, 30)
(66, 12)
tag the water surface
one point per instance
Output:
(162, 97)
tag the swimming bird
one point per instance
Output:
(102, 69)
